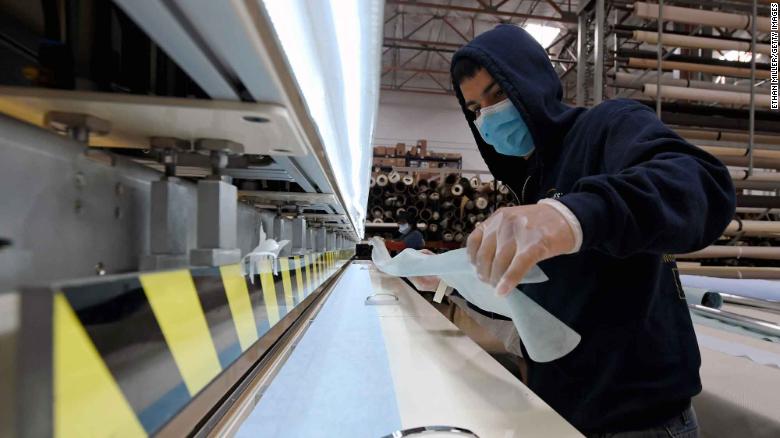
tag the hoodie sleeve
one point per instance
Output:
(658, 193)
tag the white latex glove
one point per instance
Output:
(512, 240)
(426, 283)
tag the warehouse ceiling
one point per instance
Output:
(421, 36)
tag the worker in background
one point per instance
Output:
(607, 193)
(410, 235)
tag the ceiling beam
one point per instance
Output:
(555, 6)
(566, 18)
(419, 90)
(418, 70)
(428, 44)
(447, 22)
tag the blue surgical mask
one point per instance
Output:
(502, 127)
(403, 228)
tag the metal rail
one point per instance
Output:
(756, 325)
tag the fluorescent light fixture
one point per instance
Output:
(544, 35)
(334, 50)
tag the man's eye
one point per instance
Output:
(476, 111)
(500, 93)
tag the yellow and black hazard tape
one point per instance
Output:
(128, 353)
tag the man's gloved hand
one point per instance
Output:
(426, 283)
(511, 241)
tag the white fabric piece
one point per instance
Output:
(266, 249)
(545, 337)
(731, 328)
(736, 349)
(759, 289)
(571, 219)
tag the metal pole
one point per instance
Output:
(615, 48)
(659, 53)
(752, 122)
(582, 24)
(598, 54)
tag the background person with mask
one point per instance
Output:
(410, 235)
(606, 194)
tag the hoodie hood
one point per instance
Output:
(523, 70)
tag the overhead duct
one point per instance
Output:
(750, 252)
(679, 14)
(705, 95)
(753, 228)
(738, 157)
(732, 272)
(719, 135)
(696, 42)
(720, 70)
(756, 180)
(636, 81)
(758, 210)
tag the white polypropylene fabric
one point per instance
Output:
(759, 289)
(266, 249)
(545, 337)
(737, 349)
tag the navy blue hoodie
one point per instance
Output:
(640, 193)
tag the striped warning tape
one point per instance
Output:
(129, 352)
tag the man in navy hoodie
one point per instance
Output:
(607, 194)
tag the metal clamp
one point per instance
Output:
(371, 302)
(422, 430)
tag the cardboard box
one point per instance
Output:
(380, 151)
(422, 146)
(400, 149)
(400, 162)
(384, 162)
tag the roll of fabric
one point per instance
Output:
(703, 297)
